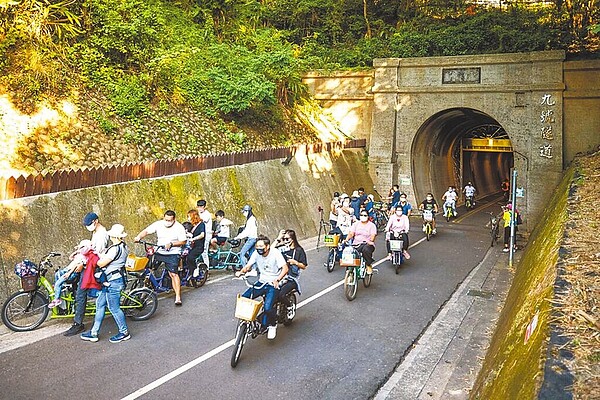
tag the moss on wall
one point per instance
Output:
(282, 197)
(512, 368)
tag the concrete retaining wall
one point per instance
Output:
(282, 197)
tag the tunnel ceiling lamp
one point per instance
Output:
(486, 131)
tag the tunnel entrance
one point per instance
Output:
(459, 145)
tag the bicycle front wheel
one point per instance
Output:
(25, 311)
(202, 277)
(330, 264)
(140, 304)
(240, 340)
(350, 284)
(367, 280)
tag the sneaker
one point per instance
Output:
(389, 257)
(424, 228)
(89, 336)
(369, 270)
(119, 337)
(505, 250)
(54, 303)
(434, 232)
(406, 255)
(271, 332)
(74, 329)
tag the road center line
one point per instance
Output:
(175, 373)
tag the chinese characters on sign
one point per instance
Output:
(547, 120)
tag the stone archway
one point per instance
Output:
(447, 96)
(459, 145)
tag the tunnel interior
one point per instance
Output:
(445, 153)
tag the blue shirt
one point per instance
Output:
(405, 208)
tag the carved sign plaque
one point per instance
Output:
(461, 75)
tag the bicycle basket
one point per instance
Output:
(427, 215)
(29, 283)
(331, 240)
(396, 245)
(350, 258)
(135, 263)
(247, 309)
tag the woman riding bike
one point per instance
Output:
(296, 259)
(398, 223)
(363, 232)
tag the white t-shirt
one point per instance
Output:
(450, 196)
(223, 229)
(344, 221)
(250, 230)
(164, 235)
(270, 266)
(100, 239)
(469, 191)
(207, 219)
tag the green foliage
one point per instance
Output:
(129, 96)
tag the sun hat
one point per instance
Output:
(355, 194)
(117, 231)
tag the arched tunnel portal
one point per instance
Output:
(456, 146)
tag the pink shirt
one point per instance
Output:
(397, 224)
(363, 231)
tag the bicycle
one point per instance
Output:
(396, 248)
(249, 312)
(225, 257)
(335, 251)
(356, 269)
(27, 309)
(494, 228)
(380, 215)
(324, 226)
(428, 223)
(448, 212)
(469, 202)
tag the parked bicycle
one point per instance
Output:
(380, 215)
(249, 313)
(27, 309)
(356, 269)
(494, 224)
(225, 257)
(428, 223)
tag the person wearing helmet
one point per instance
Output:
(335, 203)
(250, 233)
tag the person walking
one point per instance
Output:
(171, 238)
(207, 220)
(100, 241)
(196, 241)
(250, 233)
(112, 262)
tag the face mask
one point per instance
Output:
(364, 218)
(399, 213)
(403, 200)
(346, 203)
(429, 198)
(91, 227)
(245, 213)
(260, 251)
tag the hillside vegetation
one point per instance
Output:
(95, 82)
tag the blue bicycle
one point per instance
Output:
(225, 257)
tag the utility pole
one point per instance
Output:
(513, 216)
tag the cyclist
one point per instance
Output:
(469, 191)
(206, 218)
(431, 205)
(250, 233)
(404, 205)
(364, 232)
(112, 262)
(394, 197)
(345, 217)
(450, 199)
(222, 231)
(171, 237)
(398, 223)
(296, 259)
(355, 203)
(197, 240)
(272, 268)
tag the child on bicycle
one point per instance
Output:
(222, 231)
(78, 257)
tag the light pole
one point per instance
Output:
(513, 217)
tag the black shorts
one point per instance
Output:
(221, 240)
(171, 261)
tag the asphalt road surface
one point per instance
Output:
(335, 349)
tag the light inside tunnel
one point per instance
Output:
(459, 145)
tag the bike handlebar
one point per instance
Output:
(150, 244)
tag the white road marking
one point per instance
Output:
(164, 379)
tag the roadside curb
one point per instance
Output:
(444, 361)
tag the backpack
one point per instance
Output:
(100, 274)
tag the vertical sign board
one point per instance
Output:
(531, 327)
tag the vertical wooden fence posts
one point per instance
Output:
(36, 184)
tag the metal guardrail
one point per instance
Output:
(36, 184)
